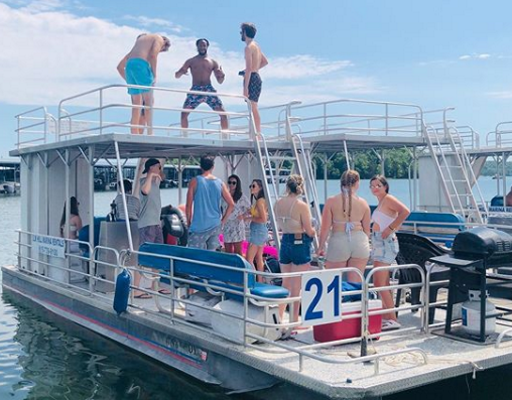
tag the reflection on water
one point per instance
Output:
(48, 358)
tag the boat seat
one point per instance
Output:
(188, 265)
(416, 249)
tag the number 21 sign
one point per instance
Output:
(321, 297)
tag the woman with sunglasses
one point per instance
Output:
(387, 218)
(258, 228)
(234, 228)
(346, 221)
(294, 220)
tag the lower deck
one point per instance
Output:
(403, 359)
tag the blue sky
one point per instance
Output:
(436, 53)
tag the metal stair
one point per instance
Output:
(304, 167)
(456, 173)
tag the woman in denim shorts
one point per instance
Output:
(387, 218)
(258, 228)
(294, 221)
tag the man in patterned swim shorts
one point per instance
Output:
(201, 68)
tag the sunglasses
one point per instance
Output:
(376, 186)
(253, 186)
(232, 183)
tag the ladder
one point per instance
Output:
(264, 163)
(304, 167)
(456, 173)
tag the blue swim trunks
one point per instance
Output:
(138, 72)
(193, 100)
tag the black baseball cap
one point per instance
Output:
(149, 163)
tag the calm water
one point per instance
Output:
(42, 357)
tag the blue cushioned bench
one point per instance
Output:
(193, 270)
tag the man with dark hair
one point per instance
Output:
(204, 213)
(254, 61)
(138, 67)
(201, 67)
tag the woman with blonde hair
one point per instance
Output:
(346, 222)
(387, 218)
(294, 220)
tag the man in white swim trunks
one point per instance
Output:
(138, 67)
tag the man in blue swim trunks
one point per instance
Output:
(201, 68)
(254, 61)
(138, 67)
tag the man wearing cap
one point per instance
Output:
(150, 229)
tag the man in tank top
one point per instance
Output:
(204, 213)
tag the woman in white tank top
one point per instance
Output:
(387, 218)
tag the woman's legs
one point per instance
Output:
(251, 255)
(237, 248)
(360, 264)
(285, 268)
(381, 279)
(260, 265)
(294, 285)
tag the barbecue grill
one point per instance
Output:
(474, 252)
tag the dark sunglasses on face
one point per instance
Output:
(378, 186)
(253, 186)
(232, 183)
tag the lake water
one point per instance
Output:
(42, 357)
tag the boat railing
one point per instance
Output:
(359, 117)
(108, 103)
(312, 351)
(444, 232)
(56, 271)
(35, 126)
(501, 136)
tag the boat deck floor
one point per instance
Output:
(446, 357)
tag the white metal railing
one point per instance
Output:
(501, 137)
(34, 127)
(303, 351)
(349, 116)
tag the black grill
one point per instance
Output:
(492, 246)
(474, 251)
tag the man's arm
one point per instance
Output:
(146, 188)
(183, 70)
(218, 72)
(264, 61)
(153, 54)
(248, 70)
(229, 200)
(121, 67)
(190, 199)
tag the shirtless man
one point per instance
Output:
(138, 67)
(201, 67)
(254, 61)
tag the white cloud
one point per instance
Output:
(504, 95)
(475, 56)
(49, 54)
(149, 22)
